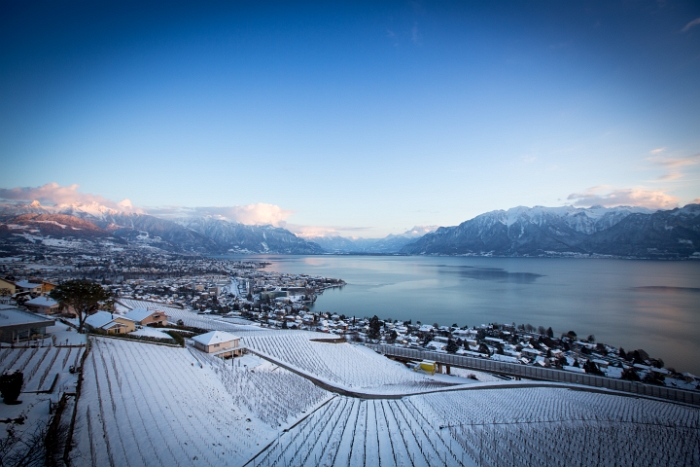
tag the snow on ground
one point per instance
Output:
(546, 426)
(145, 404)
(189, 317)
(515, 427)
(343, 364)
(481, 376)
(41, 366)
(150, 332)
(357, 432)
(65, 335)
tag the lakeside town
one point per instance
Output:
(244, 292)
(258, 375)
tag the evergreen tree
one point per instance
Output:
(82, 296)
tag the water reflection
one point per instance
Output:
(663, 288)
(491, 274)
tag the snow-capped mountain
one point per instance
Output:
(96, 223)
(251, 238)
(624, 231)
(387, 245)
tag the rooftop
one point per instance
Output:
(14, 317)
(214, 337)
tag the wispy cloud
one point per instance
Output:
(54, 194)
(693, 23)
(669, 177)
(680, 162)
(675, 166)
(610, 196)
(415, 34)
(657, 151)
(695, 201)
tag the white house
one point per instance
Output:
(219, 343)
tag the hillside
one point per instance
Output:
(541, 231)
(94, 226)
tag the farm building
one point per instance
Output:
(17, 325)
(145, 317)
(110, 323)
(43, 305)
(219, 343)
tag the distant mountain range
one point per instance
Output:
(539, 231)
(387, 245)
(36, 224)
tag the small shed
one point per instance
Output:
(219, 343)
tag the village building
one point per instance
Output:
(144, 317)
(7, 286)
(43, 305)
(17, 325)
(219, 343)
(111, 324)
(47, 287)
(26, 286)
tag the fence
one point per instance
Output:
(547, 374)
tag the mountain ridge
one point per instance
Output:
(539, 231)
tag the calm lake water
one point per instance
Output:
(650, 305)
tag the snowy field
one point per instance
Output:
(543, 426)
(145, 404)
(350, 366)
(496, 427)
(41, 366)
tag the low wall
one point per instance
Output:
(547, 374)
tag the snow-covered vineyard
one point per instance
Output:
(145, 404)
(347, 365)
(142, 403)
(40, 365)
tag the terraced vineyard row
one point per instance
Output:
(39, 364)
(345, 364)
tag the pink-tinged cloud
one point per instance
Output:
(669, 176)
(53, 194)
(695, 201)
(684, 161)
(609, 197)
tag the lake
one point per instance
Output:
(652, 305)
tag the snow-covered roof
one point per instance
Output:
(27, 285)
(13, 317)
(99, 319)
(214, 337)
(139, 314)
(42, 301)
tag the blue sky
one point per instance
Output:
(353, 118)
